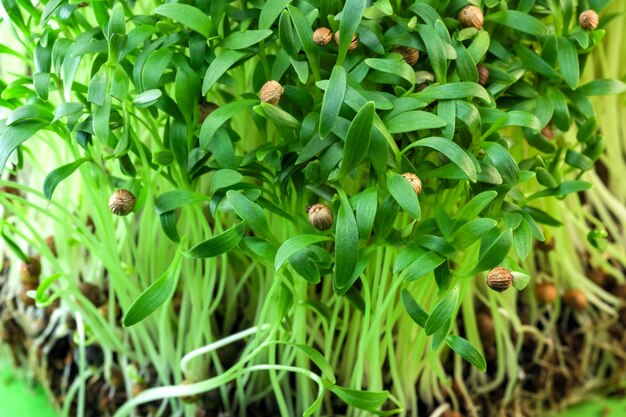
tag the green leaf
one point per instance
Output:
(454, 91)
(522, 22)
(155, 295)
(55, 177)
(442, 312)
(477, 204)
(472, 231)
(501, 158)
(346, 246)
(423, 265)
(51, 7)
(172, 200)
(535, 63)
(350, 19)
(451, 150)
(522, 240)
(565, 188)
(29, 112)
(401, 190)
(148, 98)
(218, 244)
(188, 16)
(13, 136)
(219, 66)
(317, 358)
(366, 212)
(436, 52)
(467, 351)
(357, 140)
(224, 178)
(277, 115)
(398, 68)
(250, 212)
(219, 116)
(332, 101)
(417, 313)
(602, 87)
(363, 400)
(294, 245)
(270, 12)
(493, 252)
(245, 39)
(411, 121)
(67, 109)
(568, 62)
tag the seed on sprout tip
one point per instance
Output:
(353, 42)
(499, 279)
(30, 271)
(271, 92)
(322, 36)
(410, 55)
(546, 292)
(471, 16)
(320, 216)
(122, 202)
(589, 20)
(483, 74)
(414, 180)
(575, 299)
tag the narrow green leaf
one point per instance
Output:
(55, 177)
(250, 212)
(357, 140)
(317, 358)
(13, 136)
(224, 178)
(172, 200)
(522, 22)
(472, 231)
(423, 265)
(188, 16)
(495, 252)
(442, 312)
(568, 62)
(363, 400)
(350, 19)
(402, 191)
(245, 39)
(436, 52)
(29, 112)
(452, 151)
(417, 313)
(602, 87)
(293, 245)
(467, 351)
(219, 66)
(270, 12)
(398, 68)
(148, 97)
(218, 117)
(366, 208)
(522, 240)
(411, 121)
(155, 295)
(454, 91)
(535, 63)
(277, 115)
(332, 101)
(218, 244)
(346, 245)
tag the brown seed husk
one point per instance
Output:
(51, 245)
(410, 55)
(353, 43)
(320, 216)
(24, 293)
(204, 109)
(575, 299)
(499, 279)
(122, 202)
(30, 271)
(546, 292)
(471, 16)
(322, 36)
(271, 92)
(91, 292)
(483, 74)
(414, 180)
(589, 20)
